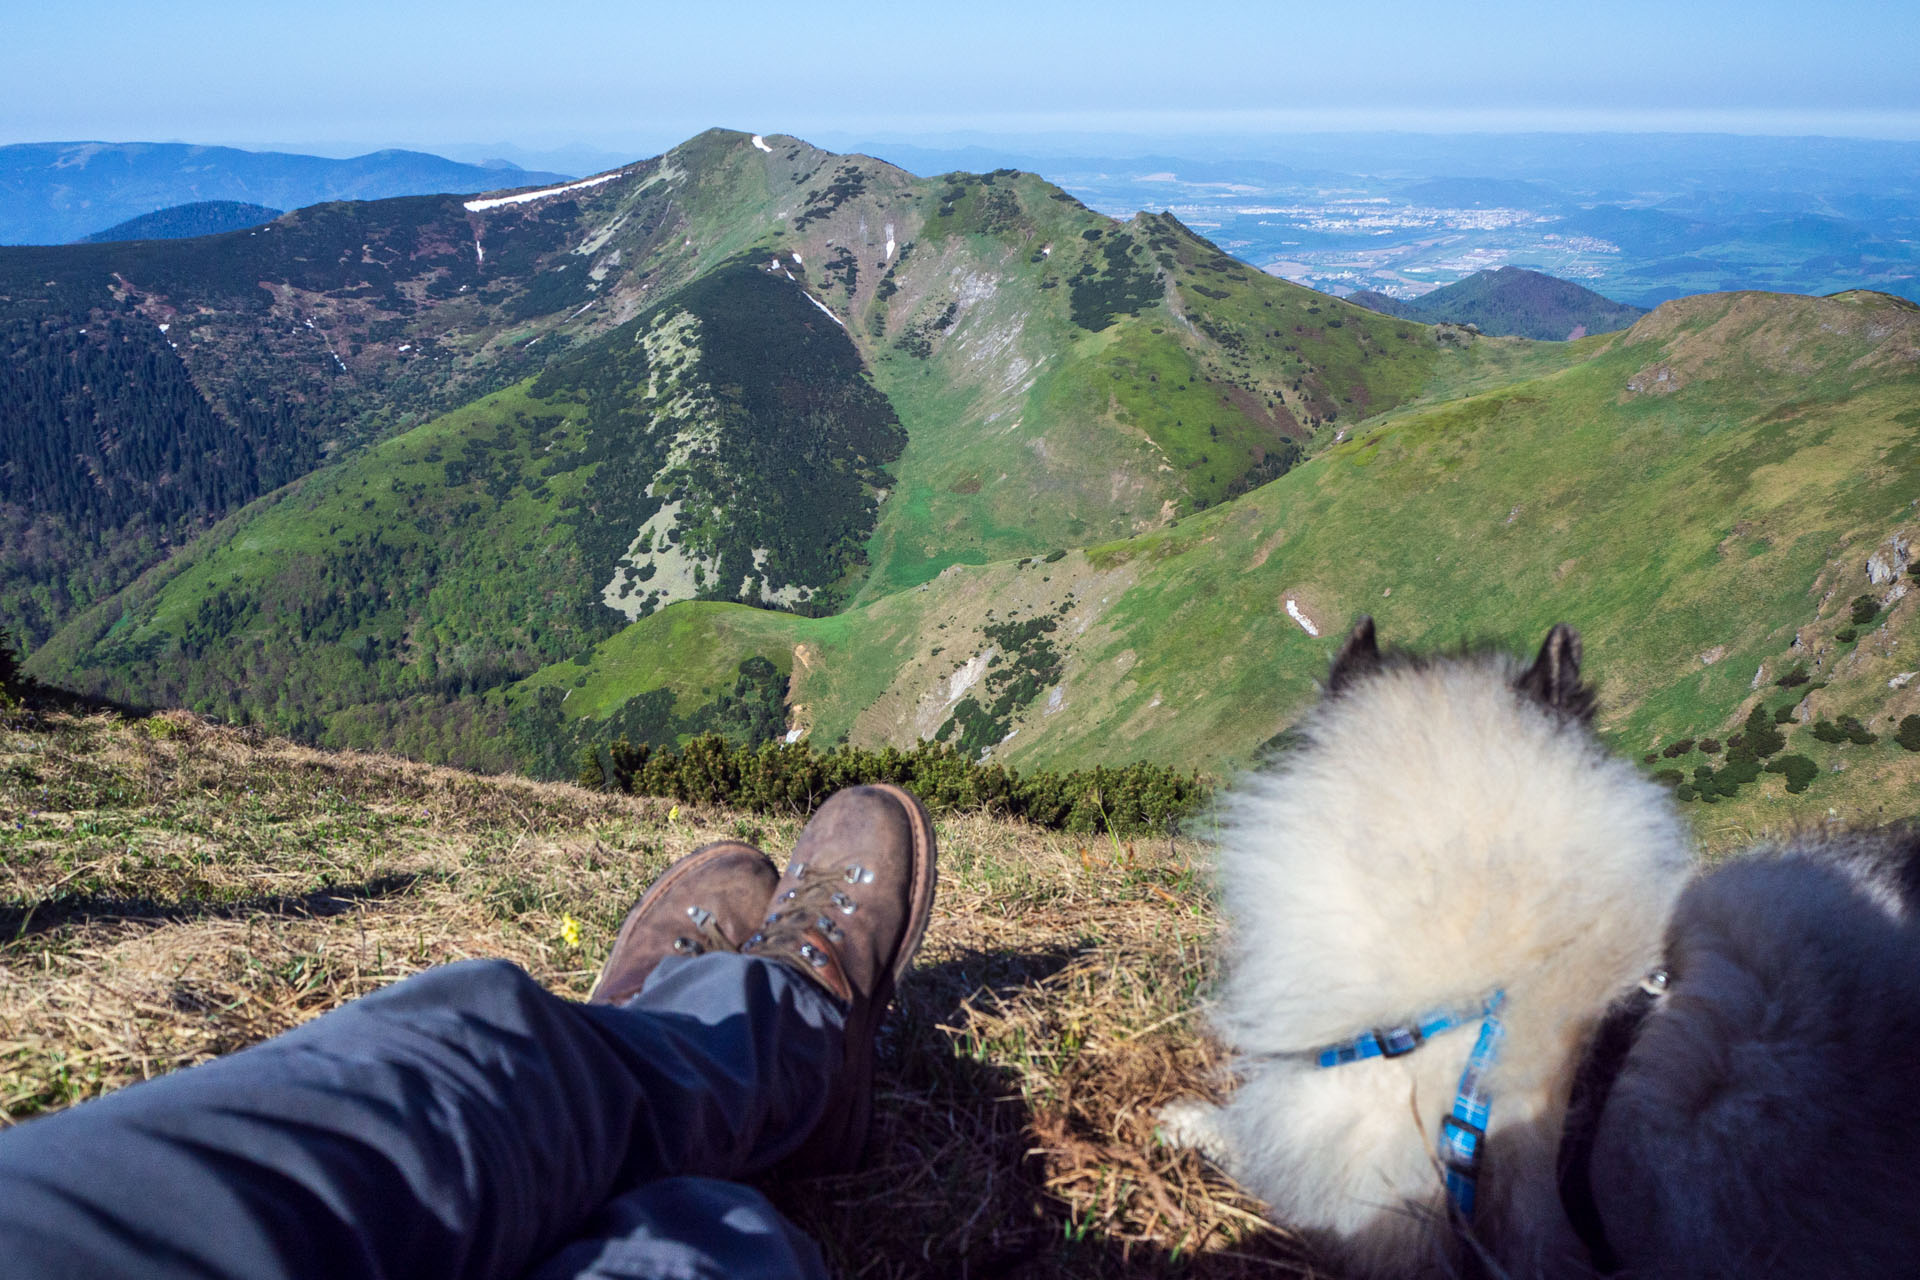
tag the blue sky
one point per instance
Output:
(632, 78)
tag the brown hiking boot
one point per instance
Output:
(710, 900)
(849, 913)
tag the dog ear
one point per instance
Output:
(1358, 657)
(1554, 678)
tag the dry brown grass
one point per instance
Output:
(171, 890)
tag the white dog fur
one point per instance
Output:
(1447, 827)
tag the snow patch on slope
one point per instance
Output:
(528, 197)
(761, 143)
(823, 307)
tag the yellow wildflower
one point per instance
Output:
(570, 931)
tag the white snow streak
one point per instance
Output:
(761, 143)
(528, 197)
(797, 258)
(823, 307)
(889, 257)
(1306, 623)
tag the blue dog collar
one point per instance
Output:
(1404, 1038)
(1463, 1131)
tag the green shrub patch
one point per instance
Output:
(1800, 771)
(778, 778)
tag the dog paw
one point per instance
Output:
(1195, 1125)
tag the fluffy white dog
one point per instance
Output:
(1449, 828)
(1451, 867)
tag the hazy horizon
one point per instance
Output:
(595, 78)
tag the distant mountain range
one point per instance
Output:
(1510, 302)
(59, 192)
(1642, 218)
(184, 221)
(755, 438)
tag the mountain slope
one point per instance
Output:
(1701, 495)
(977, 300)
(1512, 302)
(1060, 379)
(291, 342)
(182, 221)
(57, 192)
(704, 426)
(684, 451)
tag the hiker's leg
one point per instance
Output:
(688, 1227)
(463, 1123)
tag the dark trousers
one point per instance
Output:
(463, 1123)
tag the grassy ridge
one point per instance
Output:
(1691, 530)
(1031, 431)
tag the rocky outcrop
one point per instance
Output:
(1889, 562)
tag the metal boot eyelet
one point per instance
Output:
(847, 905)
(699, 916)
(813, 955)
(857, 874)
(687, 947)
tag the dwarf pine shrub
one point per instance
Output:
(782, 778)
(1856, 732)
(1909, 735)
(1761, 735)
(1800, 771)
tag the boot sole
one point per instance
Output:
(925, 876)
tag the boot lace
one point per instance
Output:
(815, 907)
(707, 935)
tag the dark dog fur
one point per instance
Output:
(1766, 1118)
